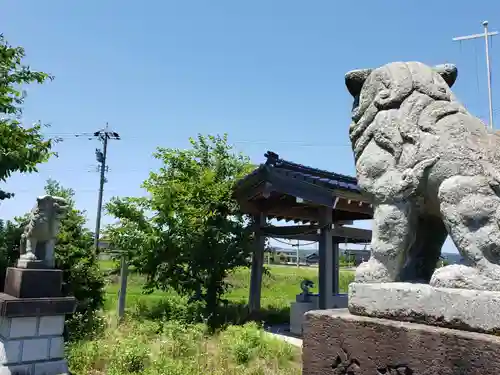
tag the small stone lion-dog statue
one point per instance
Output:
(305, 286)
(431, 169)
(38, 238)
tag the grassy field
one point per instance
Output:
(279, 287)
(172, 348)
(158, 336)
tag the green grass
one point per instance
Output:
(279, 287)
(173, 348)
(107, 265)
(160, 333)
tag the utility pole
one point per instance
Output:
(103, 135)
(484, 35)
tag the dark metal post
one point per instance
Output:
(335, 268)
(122, 297)
(326, 259)
(257, 265)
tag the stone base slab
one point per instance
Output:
(298, 309)
(23, 307)
(31, 264)
(33, 283)
(43, 368)
(336, 342)
(471, 310)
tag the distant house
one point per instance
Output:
(356, 256)
(104, 244)
(288, 255)
(311, 256)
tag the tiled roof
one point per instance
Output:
(320, 177)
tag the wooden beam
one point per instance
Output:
(316, 193)
(351, 205)
(308, 211)
(353, 233)
(249, 192)
(289, 210)
(345, 194)
(310, 233)
(303, 189)
(282, 231)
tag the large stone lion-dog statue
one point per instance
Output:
(430, 169)
(38, 238)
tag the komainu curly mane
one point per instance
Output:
(431, 169)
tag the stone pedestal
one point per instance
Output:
(33, 283)
(464, 309)
(299, 308)
(297, 311)
(336, 342)
(32, 314)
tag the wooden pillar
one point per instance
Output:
(257, 266)
(326, 271)
(122, 296)
(335, 268)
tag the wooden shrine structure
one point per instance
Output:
(319, 202)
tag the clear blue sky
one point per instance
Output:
(269, 73)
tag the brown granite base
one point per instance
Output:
(33, 283)
(16, 307)
(338, 343)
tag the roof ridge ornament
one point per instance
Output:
(272, 157)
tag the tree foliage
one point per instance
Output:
(21, 149)
(10, 236)
(188, 233)
(75, 256)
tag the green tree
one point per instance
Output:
(75, 256)
(10, 235)
(188, 233)
(21, 149)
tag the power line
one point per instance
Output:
(83, 136)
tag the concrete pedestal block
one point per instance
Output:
(33, 283)
(339, 301)
(50, 367)
(464, 309)
(33, 344)
(336, 342)
(298, 309)
(32, 315)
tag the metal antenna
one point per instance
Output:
(484, 35)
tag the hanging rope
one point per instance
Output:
(288, 243)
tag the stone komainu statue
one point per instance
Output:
(430, 169)
(38, 238)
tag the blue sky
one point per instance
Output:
(269, 73)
